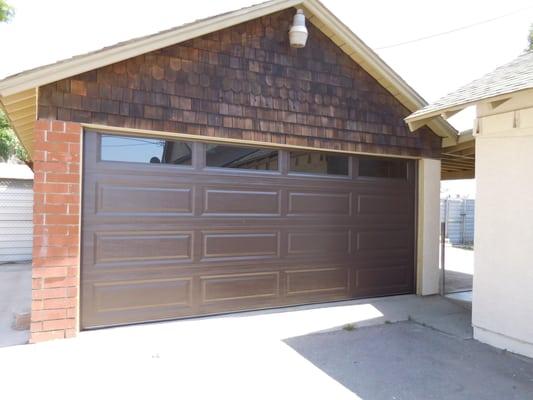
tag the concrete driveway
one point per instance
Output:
(333, 351)
(15, 297)
(459, 268)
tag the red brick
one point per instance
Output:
(62, 156)
(56, 231)
(39, 155)
(47, 166)
(36, 304)
(74, 148)
(50, 304)
(51, 230)
(54, 148)
(53, 293)
(65, 198)
(36, 337)
(51, 188)
(73, 209)
(74, 188)
(60, 282)
(48, 272)
(61, 219)
(71, 313)
(40, 251)
(55, 240)
(36, 326)
(38, 177)
(54, 261)
(46, 208)
(42, 124)
(43, 315)
(72, 127)
(58, 324)
(66, 178)
(58, 126)
(55, 137)
(36, 283)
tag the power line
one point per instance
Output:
(461, 28)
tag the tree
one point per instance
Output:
(6, 11)
(9, 143)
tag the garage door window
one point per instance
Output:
(318, 163)
(223, 156)
(145, 150)
(379, 168)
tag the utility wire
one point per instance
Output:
(461, 28)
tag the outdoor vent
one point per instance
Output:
(298, 32)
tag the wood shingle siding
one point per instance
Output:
(245, 82)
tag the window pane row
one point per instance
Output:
(177, 152)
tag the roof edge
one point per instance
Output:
(121, 51)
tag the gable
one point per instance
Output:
(245, 82)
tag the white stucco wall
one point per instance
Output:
(428, 227)
(502, 313)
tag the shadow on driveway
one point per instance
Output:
(407, 360)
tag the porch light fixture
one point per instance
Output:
(298, 32)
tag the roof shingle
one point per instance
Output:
(512, 77)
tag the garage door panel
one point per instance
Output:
(126, 246)
(319, 242)
(382, 240)
(241, 202)
(319, 203)
(122, 295)
(237, 287)
(161, 241)
(143, 199)
(315, 281)
(240, 245)
(383, 204)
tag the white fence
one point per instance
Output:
(459, 217)
(16, 220)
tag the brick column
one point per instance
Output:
(56, 231)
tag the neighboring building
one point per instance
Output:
(224, 170)
(16, 213)
(503, 282)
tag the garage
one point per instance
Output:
(217, 167)
(175, 228)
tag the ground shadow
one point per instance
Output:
(406, 360)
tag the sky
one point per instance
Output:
(46, 31)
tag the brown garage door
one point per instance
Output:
(174, 229)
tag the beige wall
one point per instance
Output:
(428, 227)
(502, 312)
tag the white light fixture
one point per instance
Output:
(298, 32)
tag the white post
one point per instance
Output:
(428, 227)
